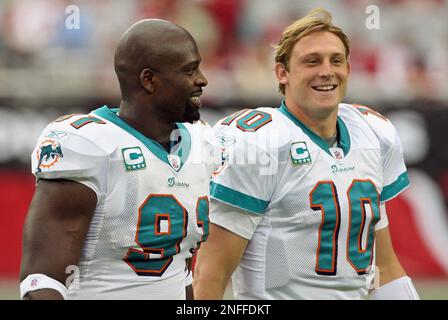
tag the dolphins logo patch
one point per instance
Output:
(49, 153)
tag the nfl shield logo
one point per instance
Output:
(174, 161)
(337, 153)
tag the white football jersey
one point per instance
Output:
(152, 209)
(310, 211)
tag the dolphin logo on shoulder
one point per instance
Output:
(50, 151)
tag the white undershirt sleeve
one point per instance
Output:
(384, 221)
(233, 219)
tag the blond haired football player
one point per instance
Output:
(298, 209)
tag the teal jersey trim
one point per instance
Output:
(395, 188)
(344, 137)
(237, 199)
(182, 152)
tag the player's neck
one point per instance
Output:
(322, 124)
(324, 129)
(146, 123)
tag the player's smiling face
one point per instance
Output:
(318, 73)
(182, 84)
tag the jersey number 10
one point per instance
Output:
(324, 198)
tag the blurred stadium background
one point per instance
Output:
(47, 70)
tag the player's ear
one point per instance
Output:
(147, 80)
(281, 73)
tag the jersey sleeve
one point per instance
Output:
(234, 219)
(210, 150)
(62, 154)
(246, 177)
(394, 169)
(395, 176)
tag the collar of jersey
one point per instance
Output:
(344, 137)
(111, 115)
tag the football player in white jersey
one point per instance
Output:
(121, 199)
(297, 209)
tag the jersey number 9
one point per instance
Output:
(162, 225)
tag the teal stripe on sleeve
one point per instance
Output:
(395, 188)
(237, 199)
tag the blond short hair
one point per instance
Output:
(317, 20)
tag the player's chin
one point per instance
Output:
(328, 101)
(192, 114)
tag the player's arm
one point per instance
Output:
(217, 259)
(56, 225)
(239, 195)
(389, 266)
(189, 294)
(394, 282)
